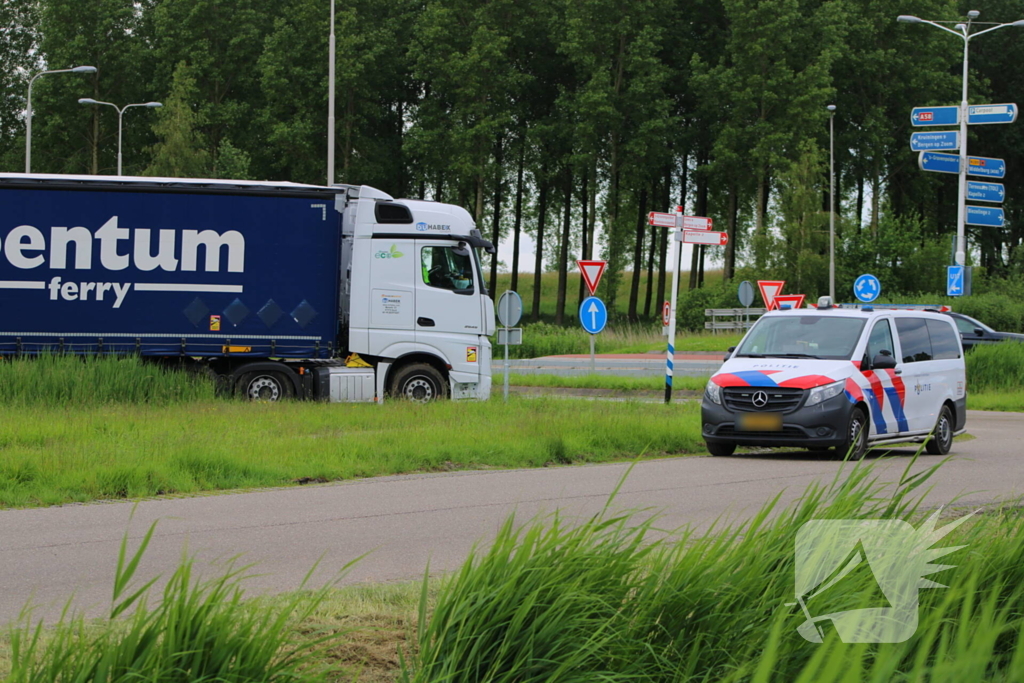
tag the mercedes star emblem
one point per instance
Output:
(760, 399)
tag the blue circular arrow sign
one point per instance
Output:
(593, 314)
(867, 288)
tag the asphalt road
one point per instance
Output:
(49, 554)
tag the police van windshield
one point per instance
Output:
(806, 336)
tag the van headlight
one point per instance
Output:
(824, 393)
(713, 392)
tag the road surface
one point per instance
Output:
(625, 364)
(48, 554)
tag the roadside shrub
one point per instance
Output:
(998, 367)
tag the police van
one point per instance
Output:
(839, 378)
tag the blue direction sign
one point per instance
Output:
(991, 113)
(954, 280)
(985, 192)
(990, 216)
(935, 116)
(593, 314)
(939, 163)
(988, 168)
(867, 288)
(945, 139)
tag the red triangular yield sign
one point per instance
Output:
(769, 290)
(592, 272)
(794, 301)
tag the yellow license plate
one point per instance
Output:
(760, 422)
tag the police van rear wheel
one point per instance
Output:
(942, 436)
(856, 441)
(720, 449)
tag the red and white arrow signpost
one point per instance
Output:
(688, 230)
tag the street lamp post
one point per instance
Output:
(831, 204)
(962, 31)
(120, 117)
(330, 102)
(28, 107)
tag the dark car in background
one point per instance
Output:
(974, 332)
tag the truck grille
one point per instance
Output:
(780, 399)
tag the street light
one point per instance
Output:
(831, 204)
(28, 108)
(120, 116)
(330, 102)
(962, 31)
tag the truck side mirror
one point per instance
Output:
(883, 361)
(462, 249)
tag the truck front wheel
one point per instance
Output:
(419, 382)
(264, 386)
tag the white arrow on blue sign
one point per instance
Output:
(985, 192)
(593, 314)
(991, 113)
(925, 141)
(867, 288)
(954, 280)
(988, 168)
(939, 163)
(990, 216)
(935, 116)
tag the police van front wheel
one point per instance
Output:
(856, 442)
(942, 436)
(719, 448)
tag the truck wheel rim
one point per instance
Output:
(419, 390)
(264, 389)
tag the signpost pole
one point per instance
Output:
(670, 354)
(593, 368)
(961, 202)
(506, 362)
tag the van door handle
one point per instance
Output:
(898, 372)
(425, 322)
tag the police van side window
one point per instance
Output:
(880, 340)
(945, 344)
(914, 339)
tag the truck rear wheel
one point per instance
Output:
(419, 382)
(264, 385)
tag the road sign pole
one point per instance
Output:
(670, 354)
(593, 368)
(506, 363)
(961, 202)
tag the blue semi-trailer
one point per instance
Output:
(279, 289)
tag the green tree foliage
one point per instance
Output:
(563, 120)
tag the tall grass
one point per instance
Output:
(197, 631)
(550, 601)
(543, 339)
(65, 380)
(996, 367)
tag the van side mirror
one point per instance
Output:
(883, 361)
(728, 354)
(978, 331)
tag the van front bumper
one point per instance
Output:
(820, 426)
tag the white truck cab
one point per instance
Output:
(839, 378)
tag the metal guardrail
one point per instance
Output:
(735, 318)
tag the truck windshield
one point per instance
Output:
(805, 336)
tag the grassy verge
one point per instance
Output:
(1001, 401)
(609, 382)
(542, 339)
(609, 599)
(56, 455)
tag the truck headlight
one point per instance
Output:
(824, 393)
(713, 392)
